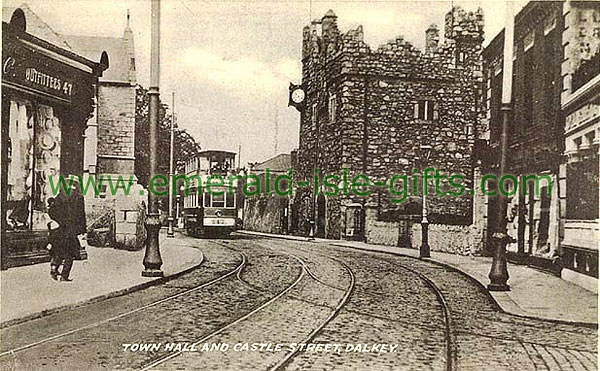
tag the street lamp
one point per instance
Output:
(424, 250)
(499, 271)
(152, 260)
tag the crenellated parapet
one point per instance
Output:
(460, 24)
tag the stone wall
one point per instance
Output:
(456, 239)
(362, 113)
(116, 128)
(265, 214)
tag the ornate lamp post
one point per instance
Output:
(424, 250)
(499, 271)
(152, 259)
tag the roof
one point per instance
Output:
(281, 162)
(92, 47)
(211, 152)
(89, 47)
(37, 27)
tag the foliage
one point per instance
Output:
(185, 145)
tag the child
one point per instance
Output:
(53, 239)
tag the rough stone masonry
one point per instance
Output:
(370, 111)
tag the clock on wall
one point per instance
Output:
(297, 96)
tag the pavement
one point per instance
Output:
(533, 293)
(28, 292)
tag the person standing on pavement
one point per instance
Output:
(68, 211)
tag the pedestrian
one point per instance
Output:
(68, 211)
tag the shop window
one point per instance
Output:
(33, 159)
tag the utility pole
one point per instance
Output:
(152, 259)
(499, 270)
(172, 186)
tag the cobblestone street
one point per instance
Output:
(263, 291)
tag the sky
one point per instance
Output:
(230, 62)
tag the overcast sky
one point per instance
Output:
(230, 63)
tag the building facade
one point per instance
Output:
(110, 139)
(368, 112)
(111, 132)
(535, 130)
(580, 101)
(47, 97)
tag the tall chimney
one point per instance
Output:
(432, 38)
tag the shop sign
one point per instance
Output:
(39, 73)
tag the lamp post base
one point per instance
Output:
(311, 234)
(152, 273)
(425, 250)
(170, 232)
(498, 287)
(152, 260)
(499, 273)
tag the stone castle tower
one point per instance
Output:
(369, 111)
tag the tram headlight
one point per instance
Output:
(218, 213)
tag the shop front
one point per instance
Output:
(47, 97)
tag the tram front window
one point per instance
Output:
(230, 200)
(218, 200)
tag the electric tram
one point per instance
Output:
(215, 212)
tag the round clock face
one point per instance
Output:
(298, 96)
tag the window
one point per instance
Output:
(498, 68)
(469, 130)
(229, 199)
(313, 116)
(218, 200)
(528, 83)
(33, 156)
(549, 24)
(425, 110)
(528, 41)
(332, 107)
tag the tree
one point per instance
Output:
(185, 146)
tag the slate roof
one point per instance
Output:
(282, 162)
(37, 27)
(92, 47)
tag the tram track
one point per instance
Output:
(231, 324)
(305, 272)
(290, 356)
(450, 339)
(451, 348)
(222, 277)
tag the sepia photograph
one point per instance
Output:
(291, 185)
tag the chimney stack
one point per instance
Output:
(432, 39)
